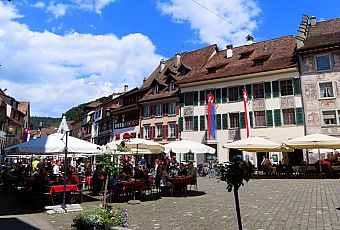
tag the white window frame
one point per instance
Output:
(229, 120)
(265, 119)
(147, 111)
(159, 131)
(147, 130)
(170, 126)
(174, 109)
(329, 59)
(159, 110)
(192, 123)
(283, 119)
(319, 90)
(336, 118)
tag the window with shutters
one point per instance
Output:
(288, 116)
(202, 97)
(225, 121)
(269, 117)
(218, 122)
(195, 123)
(188, 98)
(159, 130)
(276, 90)
(329, 118)
(299, 116)
(180, 124)
(323, 63)
(260, 118)
(233, 94)
(258, 90)
(286, 87)
(218, 96)
(172, 109)
(202, 123)
(277, 117)
(326, 90)
(196, 98)
(188, 121)
(234, 120)
(171, 86)
(224, 95)
(147, 112)
(242, 120)
(268, 89)
(147, 132)
(172, 130)
(159, 110)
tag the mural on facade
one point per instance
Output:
(310, 90)
(336, 62)
(312, 105)
(328, 104)
(259, 105)
(287, 102)
(313, 119)
(307, 65)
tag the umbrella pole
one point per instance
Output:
(319, 160)
(31, 165)
(63, 205)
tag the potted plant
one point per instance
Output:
(101, 219)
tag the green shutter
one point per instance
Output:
(202, 123)
(251, 119)
(196, 98)
(277, 117)
(224, 95)
(276, 89)
(242, 120)
(269, 118)
(218, 96)
(218, 122)
(299, 116)
(297, 86)
(240, 92)
(225, 121)
(181, 99)
(180, 124)
(195, 123)
(249, 91)
(267, 90)
(202, 97)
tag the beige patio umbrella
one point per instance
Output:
(316, 140)
(257, 144)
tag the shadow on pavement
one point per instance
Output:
(14, 223)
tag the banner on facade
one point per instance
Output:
(26, 135)
(211, 117)
(246, 111)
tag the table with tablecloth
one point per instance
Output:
(134, 185)
(180, 183)
(60, 189)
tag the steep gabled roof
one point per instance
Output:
(276, 53)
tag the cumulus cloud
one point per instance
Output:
(58, 10)
(39, 5)
(216, 21)
(56, 72)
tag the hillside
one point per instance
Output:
(46, 122)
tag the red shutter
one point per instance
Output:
(176, 131)
(165, 131)
(165, 109)
(153, 110)
(153, 132)
(177, 108)
(141, 132)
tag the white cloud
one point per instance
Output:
(57, 72)
(39, 5)
(58, 10)
(210, 27)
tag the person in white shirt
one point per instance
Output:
(56, 169)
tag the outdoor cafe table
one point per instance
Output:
(134, 185)
(60, 189)
(180, 181)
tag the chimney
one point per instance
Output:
(302, 32)
(250, 39)
(229, 51)
(312, 21)
(162, 64)
(178, 59)
(126, 88)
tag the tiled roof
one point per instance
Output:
(193, 61)
(276, 53)
(93, 104)
(323, 34)
(23, 106)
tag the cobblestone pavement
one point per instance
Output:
(265, 204)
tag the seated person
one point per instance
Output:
(114, 183)
(72, 177)
(192, 172)
(164, 177)
(182, 171)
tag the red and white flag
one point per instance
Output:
(246, 111)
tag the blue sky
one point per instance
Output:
(57, 54)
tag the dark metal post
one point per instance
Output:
(237, 204)
(65, 165)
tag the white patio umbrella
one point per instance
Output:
(186, 146)
(133, 146)
(257, 144)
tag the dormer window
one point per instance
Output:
(258, 62)
(212, 70)
(245, 55)
(155, 89)
(171, 86)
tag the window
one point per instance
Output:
(323, 63)
(288, 116)
(258, 90)
(326, 89)
(286, 87)
(159, 110)
(147, 132)
(260, 118)
(189, 123)
(171, 86)
(234, 120)
(172, 129)
(212, 70)
(172, 109)
(258, 62)
(233, 93)
(329, 118)
(147, 111)
(155, 89)
(189, 98)
(245, 55)
(159, 128)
